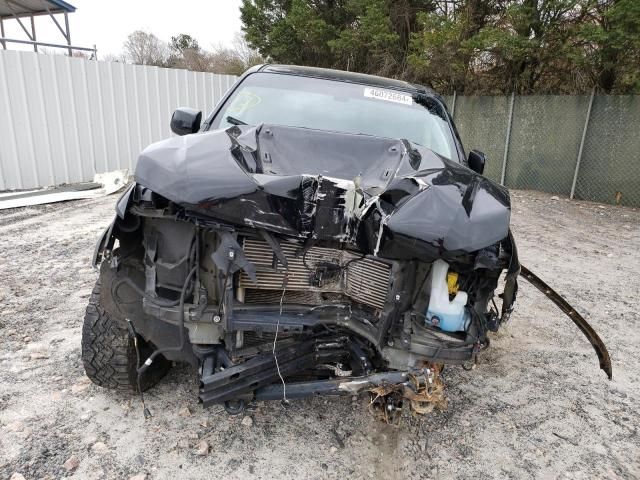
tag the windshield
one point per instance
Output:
(338, 106)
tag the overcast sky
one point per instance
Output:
(107, 23)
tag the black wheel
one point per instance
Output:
(235, 407)
(109, 353)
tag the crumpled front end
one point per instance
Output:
(285, 262)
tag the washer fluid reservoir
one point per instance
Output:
(450, 316)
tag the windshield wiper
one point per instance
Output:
(234, 121)
(430, 104)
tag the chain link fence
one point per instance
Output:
(584, 147)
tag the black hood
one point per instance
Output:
(330, 186)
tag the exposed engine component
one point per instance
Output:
(450, 316)
(364, 279)
(423, 390)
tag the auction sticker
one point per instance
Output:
(388, 95)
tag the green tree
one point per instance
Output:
(441, 51)
(363, 35)
(470, 46)
(293, 31)
(611, 40)
(532, 48)
(369, 43)
(436, 53)
(186, 53)
(182, 42)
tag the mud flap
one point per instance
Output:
(581, 323)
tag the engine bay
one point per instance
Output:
(264, 316)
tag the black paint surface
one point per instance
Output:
(330, 186)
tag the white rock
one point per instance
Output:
(79, 387)
(139, 476)
(184, 412)
(4, 293)
(16, 426)
(333, 450)
(247, 421)
(202, 448)
(71, 464)
(38, 355)
(57, 396)
(99, 447)
(95, 474)
(17, 476)
(555, 197)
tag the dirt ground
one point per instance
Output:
(537, 406)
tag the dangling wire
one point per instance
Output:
(285, 402)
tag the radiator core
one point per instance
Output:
(364, 280)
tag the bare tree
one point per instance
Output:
(249, 56)
(110, 57)
(225, 61)
(184, 52)
(145, 48)
(235, 59)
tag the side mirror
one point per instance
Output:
(476, 161)
(185, 121)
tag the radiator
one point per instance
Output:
(364, 280)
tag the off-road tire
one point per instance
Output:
(109, 354)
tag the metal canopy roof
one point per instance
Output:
(27, 8)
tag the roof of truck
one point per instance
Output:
(344, 76)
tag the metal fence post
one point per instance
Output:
(453, 105)
(4, 44)
(506, 142)
(584, 134)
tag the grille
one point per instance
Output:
(365, 280)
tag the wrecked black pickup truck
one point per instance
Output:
(321, 232)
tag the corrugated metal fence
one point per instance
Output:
(63, 119)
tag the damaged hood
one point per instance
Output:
(387, 196)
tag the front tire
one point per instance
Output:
(109, 353)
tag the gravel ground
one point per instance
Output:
(536, 406)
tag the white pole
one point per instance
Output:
(584, 135)
(508, 137)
